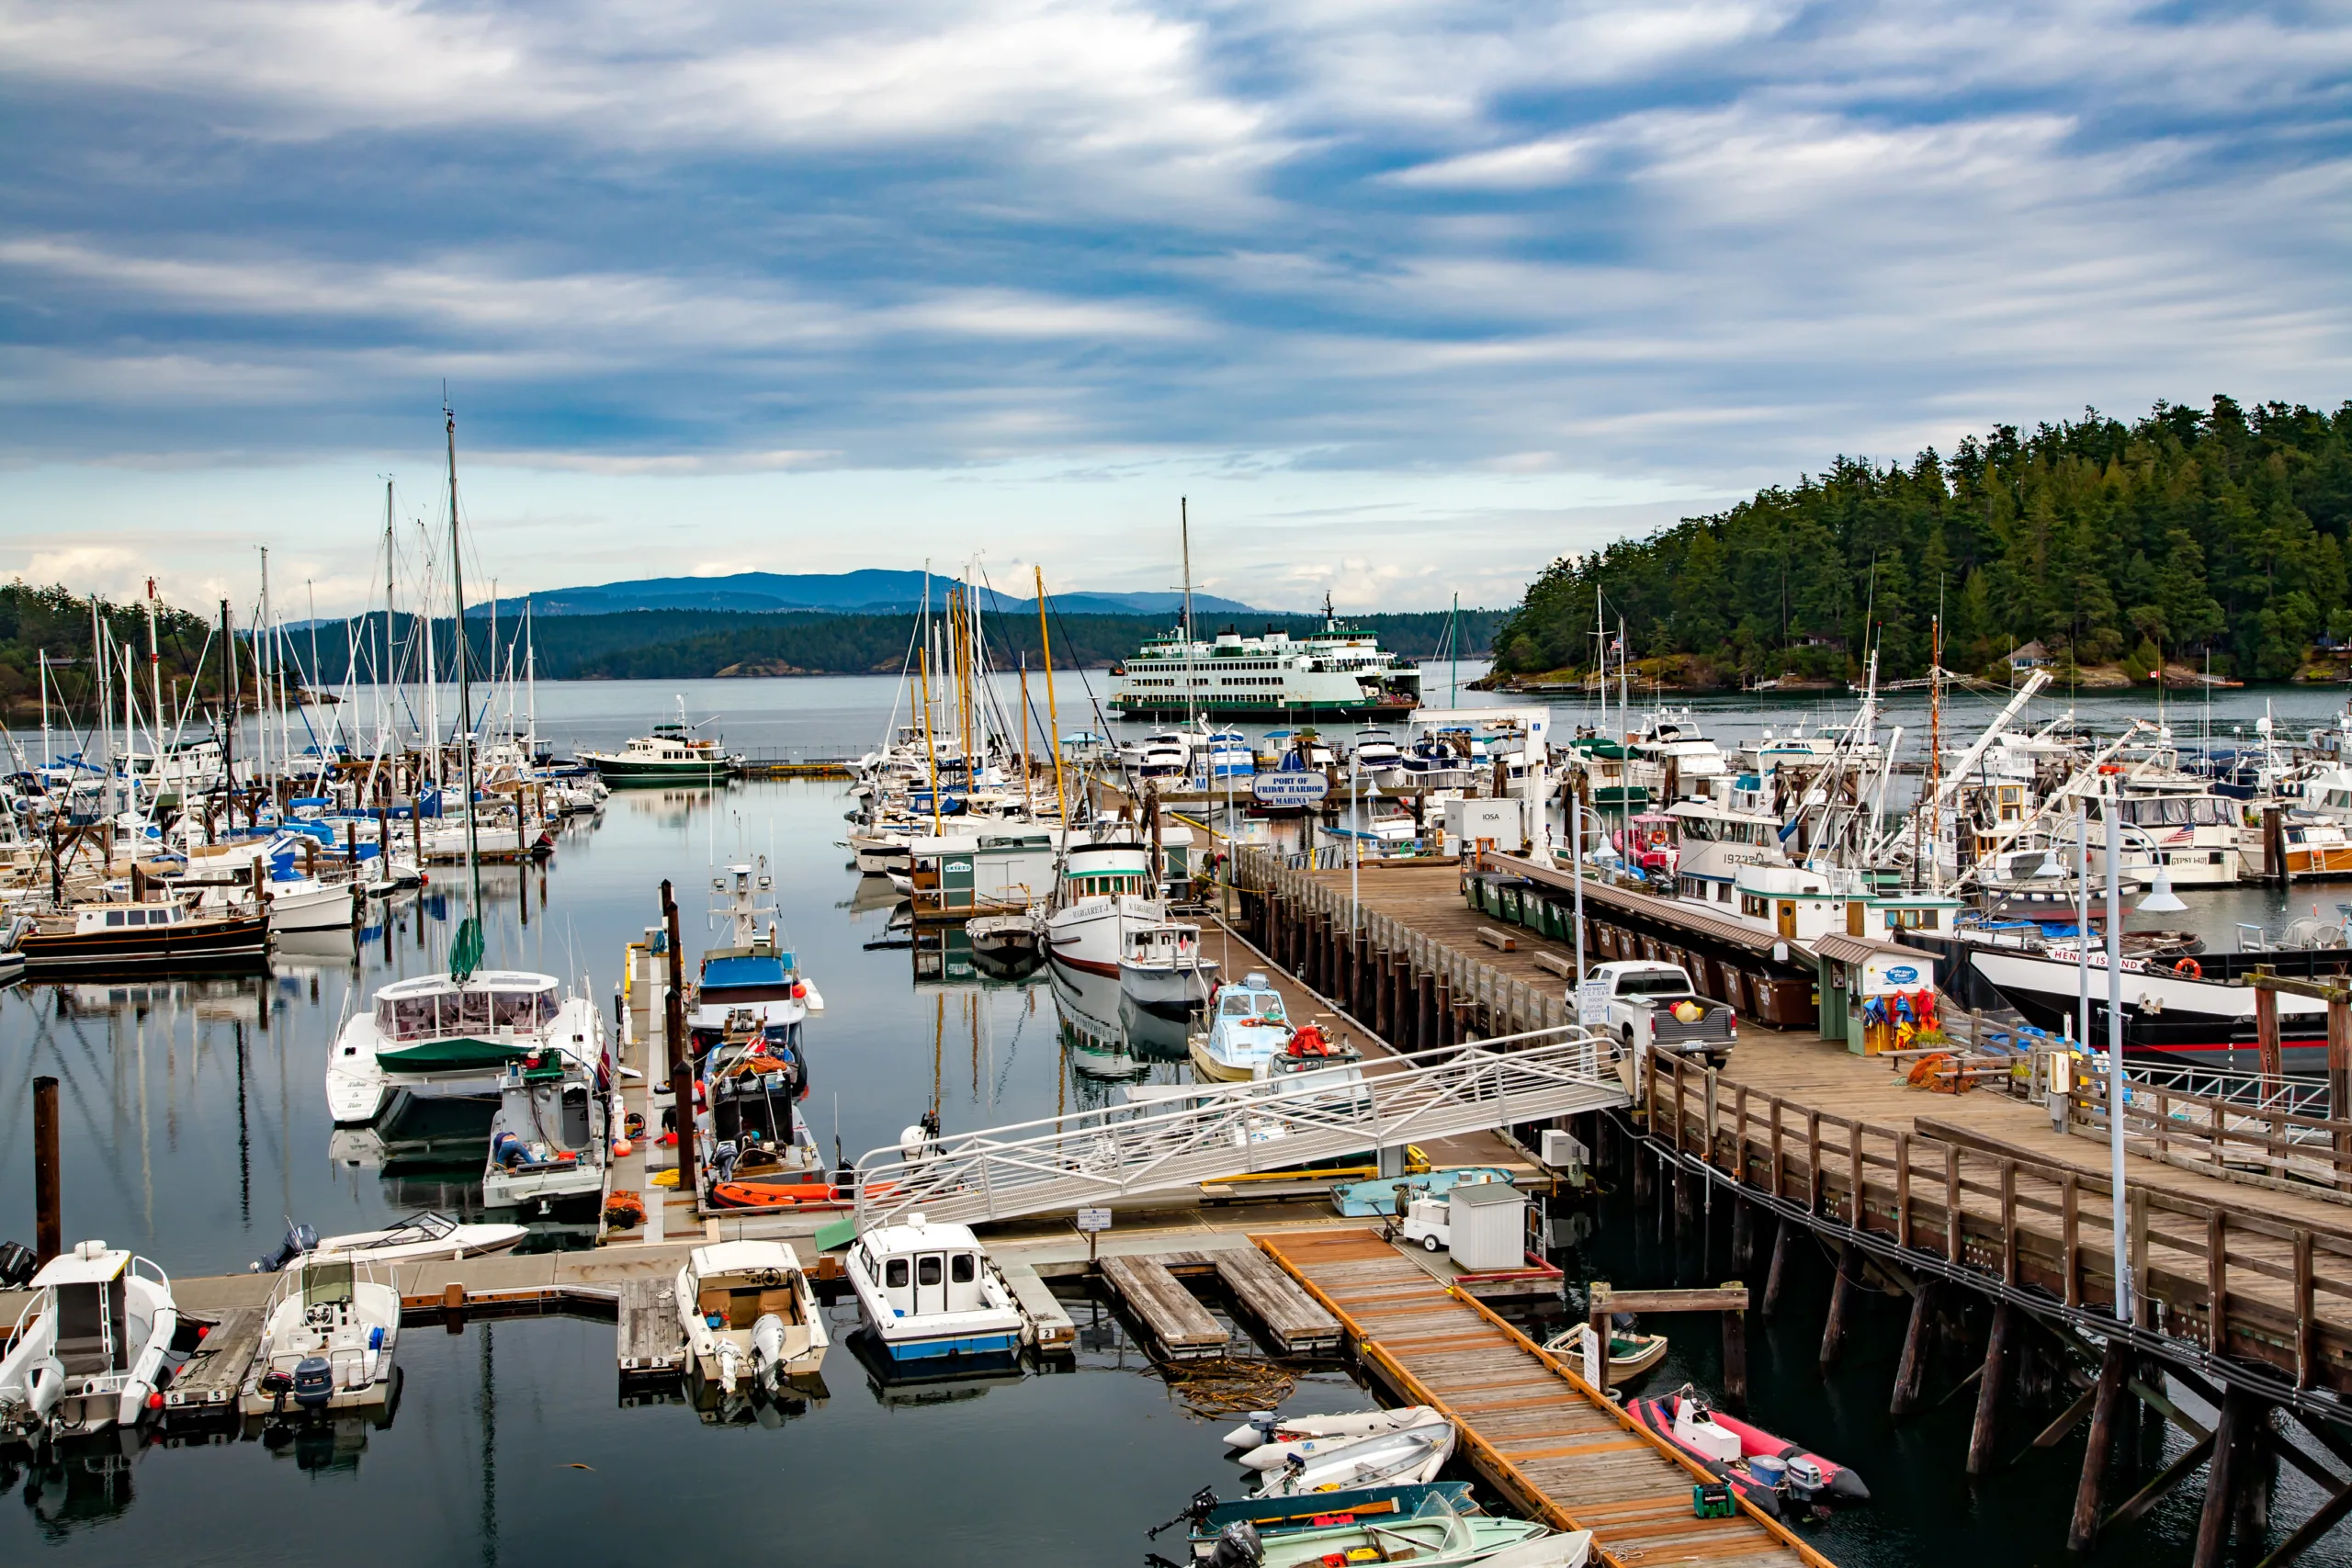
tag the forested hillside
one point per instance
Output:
(2218, 531)
(33, 619)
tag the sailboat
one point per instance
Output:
(457, 1032)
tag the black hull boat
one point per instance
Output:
(183, 946)
(2184, 1011)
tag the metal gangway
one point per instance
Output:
(1093, 1158)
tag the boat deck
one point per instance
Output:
(1560, 1452)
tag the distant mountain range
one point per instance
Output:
(871, 592)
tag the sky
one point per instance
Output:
(1403, 300)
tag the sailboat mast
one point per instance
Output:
(465, 691)
(1185, 542)
(930, 750)
(388, 690)
(1052, 710)
(155, 678)
(1028, 807)
(1454, 647)
(530, 686)
(1936, 752)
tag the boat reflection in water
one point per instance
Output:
(755, 1402)
(1109, 1043)
(939, 1381)
(72, 1486)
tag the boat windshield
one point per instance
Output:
(430, 1225)
(326, 1280)
(1260, 1004)
(462, 1010)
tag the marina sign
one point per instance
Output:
(1289, 790)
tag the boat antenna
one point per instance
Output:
(465, 953)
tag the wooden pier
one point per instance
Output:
(2236, 1242)
(1560, 1452)
(1151, 1287)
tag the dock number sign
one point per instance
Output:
(1592, 1002)
(1289, 790)
(1094, 1219)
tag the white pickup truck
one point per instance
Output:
(1654, 1006)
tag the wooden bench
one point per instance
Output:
(1565, 968)
(1502, 941)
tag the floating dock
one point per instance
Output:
(1559, 1451)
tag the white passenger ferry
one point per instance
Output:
(1338, 672)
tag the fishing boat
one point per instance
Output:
(1007, 944)
(673, 754)
(328, 1335)
(1631, 1355)
(747, 1306)
(1772, 1473)
(89, 1349)
(1372, 1199)
(1161, 967)
(928, 1291)
(1101, 889)
(1413, 1453)
(548, 1135)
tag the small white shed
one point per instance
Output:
(1487, 1226)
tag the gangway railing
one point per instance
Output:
(1095, 1157)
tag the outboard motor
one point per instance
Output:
(299, 1240)
(313, 1382)
(767, 1347)
(1261, 1425)
(1807, 1480)
(1238, 1546)
(18, 1263)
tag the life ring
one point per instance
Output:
(2190, 967)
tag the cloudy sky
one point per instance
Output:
(1408, 299)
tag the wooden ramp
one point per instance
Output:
(1555, 1447)
(208, 1382)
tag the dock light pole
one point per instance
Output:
(2123, 1284)
(1575, 865)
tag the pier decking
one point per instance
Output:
(1560, 1452)
(1150, 1286)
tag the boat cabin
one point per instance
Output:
(100, 919)
(922, 1268)
(1106, 871)
(101, 1325)
(493, 1004)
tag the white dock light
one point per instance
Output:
(2162, 900)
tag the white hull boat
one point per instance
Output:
(420, 1237)
(89, 1349)
(930, 1291)
(433, 1035)
(312, 905)
(748, 1309)
(1414, 1454)
(547, 1138)
(1266, 1429)
(327, 1339)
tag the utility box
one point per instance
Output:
(1487, 1226)
(1504, 821)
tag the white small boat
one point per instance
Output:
(327, 1339)
(1161, 966)
(930, 1291)
(1414, 1454)
(89, 1349)
(421, 1235)
(1630, 1354)
(547, 1137)
(747, 1307)
(1265, 1427)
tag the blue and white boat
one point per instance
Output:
(1250, 1029)
(931, 1291)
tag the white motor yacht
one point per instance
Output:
(1161, 966)
(89, 1349)
(436, 1035)
(429, 1233)
(547, 1137)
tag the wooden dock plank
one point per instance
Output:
(217, 1367)
(1555, 1447)
(1295, 1320)
(648, 1335)
(1181, 1327)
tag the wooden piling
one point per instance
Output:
(2221, 1481)
(1736, 1362)
(1989, 1385)
(49, 1228)
(1841, 1304)
(1743, 1234)
(1912, 1370)
(1778, 1273)
(2090, 1491)
(674, 1016)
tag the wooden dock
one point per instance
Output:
(1559, 1451)
(215, 1371)
(1151, 1287)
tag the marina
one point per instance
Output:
(1212, 1263)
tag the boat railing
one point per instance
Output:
(1096, 1156)
(151, 1271)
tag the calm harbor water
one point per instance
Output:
(195, 1123)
